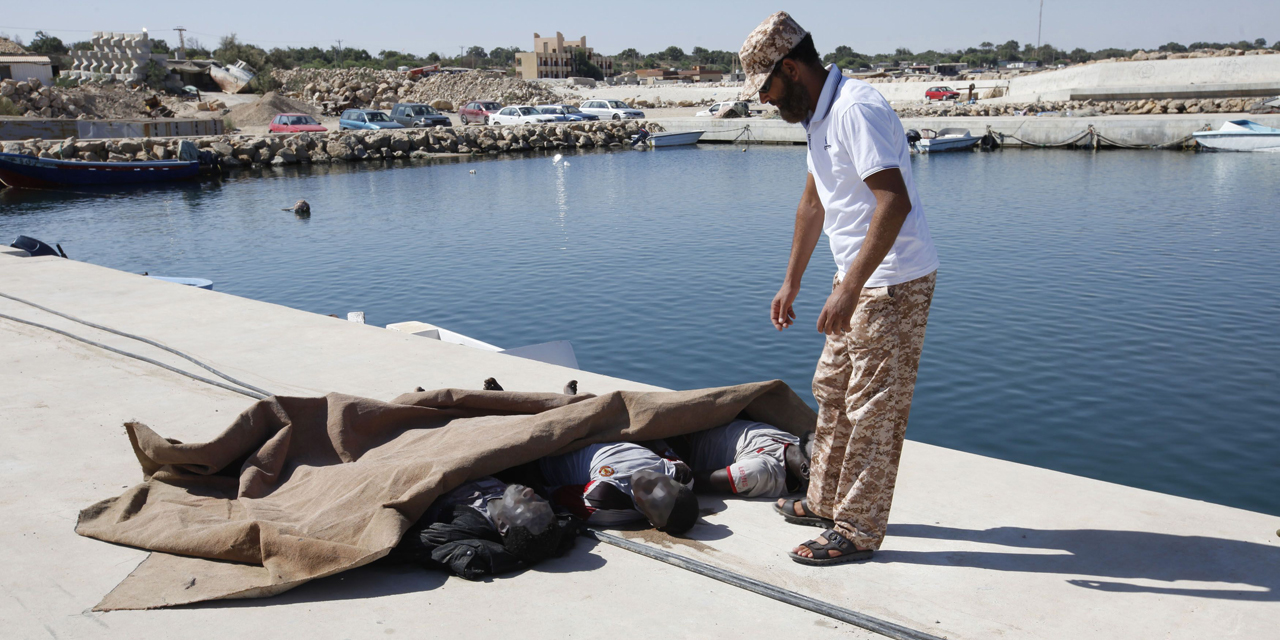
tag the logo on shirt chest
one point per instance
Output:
(606, 471)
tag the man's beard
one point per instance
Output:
(794, 104)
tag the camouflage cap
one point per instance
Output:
(769, 43)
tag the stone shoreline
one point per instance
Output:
(232, 151)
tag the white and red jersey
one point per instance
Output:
(574, 480)
(753, 453)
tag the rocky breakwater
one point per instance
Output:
(336, 89)
(348, 146)
(1082, 108)
(33, 99)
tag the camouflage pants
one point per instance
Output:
(863, 384)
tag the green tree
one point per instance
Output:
(673, 53)
(584, 67)
(1260, 43)
(46, 45)
(159, 46)
(840, 53)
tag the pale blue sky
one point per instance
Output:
(868, 27)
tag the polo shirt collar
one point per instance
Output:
(827, 97)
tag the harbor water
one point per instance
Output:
(1112, 315)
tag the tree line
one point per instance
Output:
(985, 55)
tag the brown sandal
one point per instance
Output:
(849, 552)
(788, 511)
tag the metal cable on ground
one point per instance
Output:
(176, 370)
(131, 336)
(883, 627)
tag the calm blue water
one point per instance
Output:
(1112, 315)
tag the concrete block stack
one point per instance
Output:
(1080, 108)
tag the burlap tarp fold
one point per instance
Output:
(301, 488)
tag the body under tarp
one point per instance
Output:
(302, 488)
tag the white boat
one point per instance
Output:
(1240, 135)
(558, 352)
(234, 78)
(674, 139)
(949, 139)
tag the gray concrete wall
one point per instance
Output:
(1131, 130)
(62, 128)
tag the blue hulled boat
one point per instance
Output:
(45, 173)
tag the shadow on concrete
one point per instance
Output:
(372, 581)
(1135, 555)
(390, 579)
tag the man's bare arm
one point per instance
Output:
(716, 481)
(809, 216)
(893, 204)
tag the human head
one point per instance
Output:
(526, 522)
(797, 462)
(777, 56)
(669, 505)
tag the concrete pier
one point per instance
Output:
(1044, 130)
(978, 548)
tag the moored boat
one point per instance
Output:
(674, 138)
(949, 139)
(1240, 135)
(47, 173)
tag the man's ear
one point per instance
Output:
(791, 69)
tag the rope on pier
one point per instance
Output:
(254, 392)
(882, 627)
(1095, 139)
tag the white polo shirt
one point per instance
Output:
(853, 133)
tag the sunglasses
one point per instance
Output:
(768, 82)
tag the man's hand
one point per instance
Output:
(780, 312)
(683, 473)
(838, 311)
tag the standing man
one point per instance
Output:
(859, 191)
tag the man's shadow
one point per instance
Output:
(1111, 554)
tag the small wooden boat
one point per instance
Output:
(949, 139)
(1240, 135)
(46, 173)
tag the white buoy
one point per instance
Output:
(566, 163)
(473, 171)
(556, 159)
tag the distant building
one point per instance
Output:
(1020, 64)
(697, 74)
(19, 64)
(553, 58)
(949, 68)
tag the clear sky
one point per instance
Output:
(868, 27)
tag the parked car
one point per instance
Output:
(478, 111)
(941, 93)
(520, 114)
(566, 113)
(413, 114)
(294, 123)
(366, 119)
(714, 110)
(611, 110)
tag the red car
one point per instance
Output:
(294, 123)
(941, 93)
(478, 111)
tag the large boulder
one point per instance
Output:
(442, 104)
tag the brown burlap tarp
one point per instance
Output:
(301, 488)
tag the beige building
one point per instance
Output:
(553, 58)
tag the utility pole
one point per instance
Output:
(460, 49)
(1039, 26)
(182, 43)
(338, 57)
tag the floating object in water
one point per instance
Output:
(491, 384)
(300, 208)
(199, 283)
(566, 163)
(473, 172)
(556, 159)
